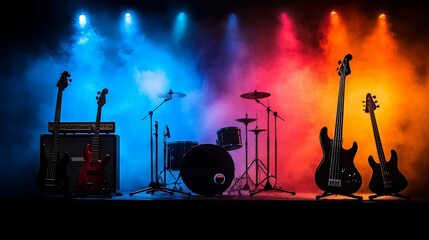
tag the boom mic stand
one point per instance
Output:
(268, 185)
(154, 185)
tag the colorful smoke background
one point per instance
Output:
(289, 50)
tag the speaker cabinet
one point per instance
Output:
(74, 144)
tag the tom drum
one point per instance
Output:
(229, 138)
(176, 151)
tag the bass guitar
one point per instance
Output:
(92, 177)
(386, 178)
(52, 175)
(336, 173)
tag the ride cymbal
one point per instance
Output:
(255, 95)
(171, 94)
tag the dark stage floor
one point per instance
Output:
(238, 210)
(269, 201)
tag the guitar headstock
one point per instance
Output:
(344, 68)
(101, 97)
(370, 105)
(64, 80)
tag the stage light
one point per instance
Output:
(180, 26)
(82, 21)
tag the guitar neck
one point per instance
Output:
(96, 137)
(377, 138)
(55, 134)
(338, 135)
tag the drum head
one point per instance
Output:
(207, 169)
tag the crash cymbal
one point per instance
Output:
(171, 94)
(245, 120)
(257, 130)
(255, 95)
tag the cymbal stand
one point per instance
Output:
(154, 185)
(268, 185)
(245, 175)
(259, 165)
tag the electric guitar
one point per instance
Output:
(386, 178)
(52, 175)
(336, 173)
(92, 177)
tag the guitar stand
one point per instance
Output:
(325, 194)
(105, 192)
(372, 197)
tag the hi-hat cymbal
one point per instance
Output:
(245, 120)
(257, 130)
(255, 95)
(171, 94)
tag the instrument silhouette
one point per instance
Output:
(255, 95)
(155, 185)
(386, 179)
(336, 173)
(92, 177)
(237, 186)
(52, 176)
(176, 152)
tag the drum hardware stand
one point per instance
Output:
(259, 165)
(164, 184)
(245, 175)
(179, 189)
(154, 185)
(268, 185)
(164, 170)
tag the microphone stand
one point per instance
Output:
(154, 185)
(268, 185)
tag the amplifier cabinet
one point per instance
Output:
(74, 144)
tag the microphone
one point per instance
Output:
(168, 131)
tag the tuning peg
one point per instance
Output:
(374, 96)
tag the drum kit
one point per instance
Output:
(208, 169)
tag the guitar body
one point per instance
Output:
(92, 177)
(393, 181)
(347, 175)
(53, 185)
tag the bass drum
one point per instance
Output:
(207, 169)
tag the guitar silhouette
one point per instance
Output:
(386, 178)
(92, 177)
(52, 175)
(336, 173)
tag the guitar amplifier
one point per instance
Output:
(74, 144)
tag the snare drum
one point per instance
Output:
(176, 152)
(229, 138)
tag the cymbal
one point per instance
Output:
(245, 120)
(255, 95)
(171, 94)
(257, 130)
